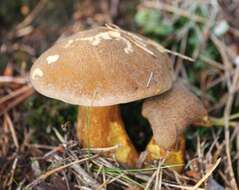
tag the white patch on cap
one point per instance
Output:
(37, 73)
(52, 58)
(68, 44)
(98, 38)
(129, 48)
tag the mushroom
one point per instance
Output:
(169, 114)
(99, 69)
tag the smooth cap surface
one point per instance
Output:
(170, 113)
(100, 67)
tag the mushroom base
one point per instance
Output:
(100, 127)
(174, 158)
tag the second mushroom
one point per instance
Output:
(169, 114)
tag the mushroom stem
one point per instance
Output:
(174, 158)
(169, 114)
(103, 127)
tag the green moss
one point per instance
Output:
(42, 112)
(151, 22)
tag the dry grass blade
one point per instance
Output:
(158, 178)
(180, 55)
(104, 149)
(150, 78)
(150, 181)
(139, 42)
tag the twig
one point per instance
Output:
(13, 132)
(59, 148)
(9, 79)
(180, 186)
(227, 112)
(179, 55)
(207, 175)
(150, 181)
(141, 159)
(32, 15)
(49, 173)
(86, 177)
(66, 181)
(108, 181)
(15, 93)
(42, 146)
(14, 165)
(237, 148)
(221, 48)
(211, 62)
(158, 178)
(17, 101)
(83, 174)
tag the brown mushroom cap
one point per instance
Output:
(101, 67)
(171, 112)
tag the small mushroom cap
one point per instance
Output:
(170, 113)
(101, 67)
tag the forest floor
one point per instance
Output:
(38, 146)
